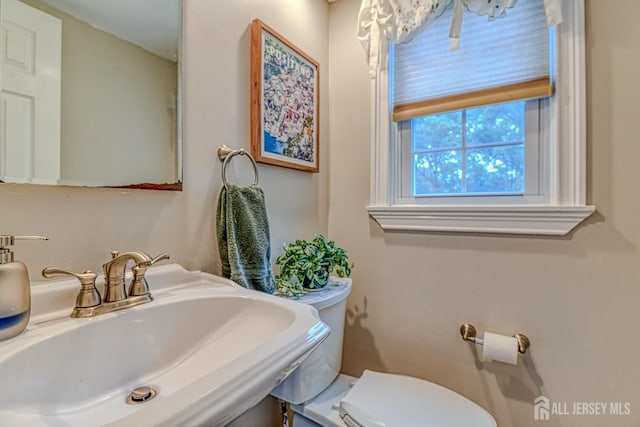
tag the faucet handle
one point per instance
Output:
(139, 285)
(88, 295)
(159, 258)
(151, 261)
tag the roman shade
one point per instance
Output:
(506, 61)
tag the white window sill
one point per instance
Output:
(537, 220)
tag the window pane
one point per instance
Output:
(437, 131)
(495, 169)
(495, 123)
(439, 172)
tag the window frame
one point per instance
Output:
(563, 177)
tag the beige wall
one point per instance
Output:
(575, 297)
(118, 110)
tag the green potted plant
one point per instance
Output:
(306, 265)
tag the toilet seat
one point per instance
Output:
(389, 400)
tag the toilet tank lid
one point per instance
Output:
(389, 400)
(336, 290)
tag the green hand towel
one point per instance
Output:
(243, 237)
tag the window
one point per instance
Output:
(477, 151)
(454, 152)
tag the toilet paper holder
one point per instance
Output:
(468, 332)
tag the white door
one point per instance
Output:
(30, 72)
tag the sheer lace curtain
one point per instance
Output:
(400, 20)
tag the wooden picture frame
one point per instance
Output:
(285, 102)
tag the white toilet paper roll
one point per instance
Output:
(500, 348)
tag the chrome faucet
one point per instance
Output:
(89, 303)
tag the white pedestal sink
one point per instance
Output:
(210, 348)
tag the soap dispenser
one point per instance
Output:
(15, 289)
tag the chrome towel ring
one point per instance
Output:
(226, 153)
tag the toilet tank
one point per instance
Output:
(322, 366)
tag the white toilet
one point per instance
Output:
(320, 396)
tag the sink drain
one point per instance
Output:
(141, 394)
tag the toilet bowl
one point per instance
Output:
(320, 396)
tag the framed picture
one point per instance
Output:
(284, 102)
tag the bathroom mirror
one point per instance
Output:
(114, 66)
